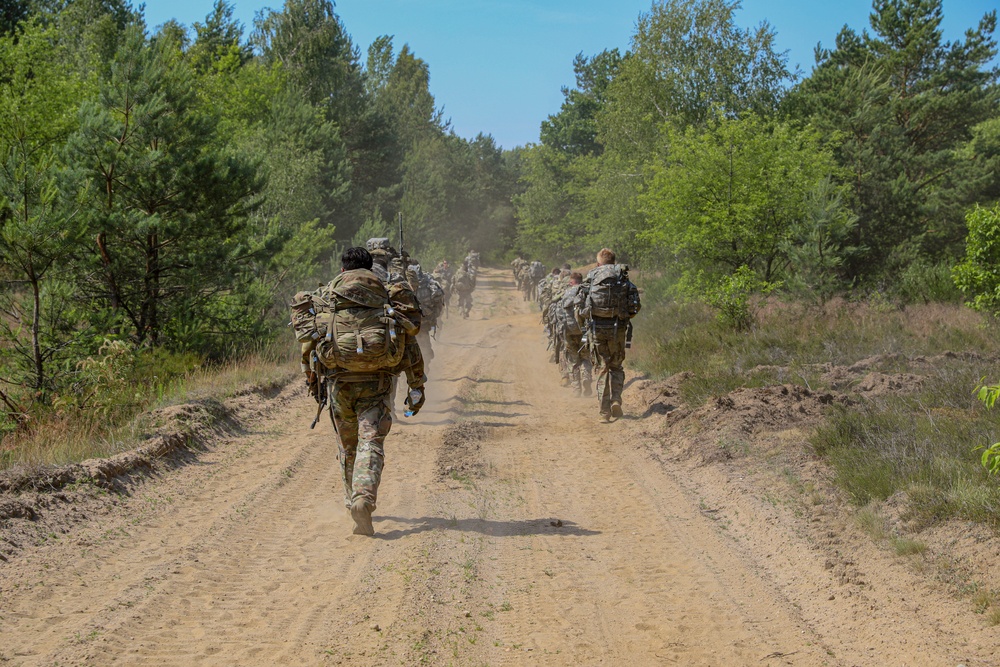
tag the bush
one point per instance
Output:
(922, 281)
(916, 444)
(978, 276)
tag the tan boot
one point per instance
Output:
(361, 512)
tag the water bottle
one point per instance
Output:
(414, 398)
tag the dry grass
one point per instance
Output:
(71, 435)
(920, 443)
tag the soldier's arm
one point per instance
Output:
(414, 360)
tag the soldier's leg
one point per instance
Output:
(602, 345)
(374, 422)
(346, 420)
(616, 369)
(565, 367)
(571, 359)
(574, 361)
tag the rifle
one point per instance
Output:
(628, 335)
(401, 237)
(321, 399)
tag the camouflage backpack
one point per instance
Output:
(567, 312)
(612, 294)
(430, 294)
(463, 281)
(536, 271)
(309, 316)
(362, 333)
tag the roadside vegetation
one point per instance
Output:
(923, 439)
(120, 397)
(783, 223)
(164, 190)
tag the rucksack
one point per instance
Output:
(362, 333)
(567, 312)
(537, 271)
(463, 281)
(430, 295)
(611, 293)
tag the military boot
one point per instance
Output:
(361, 512)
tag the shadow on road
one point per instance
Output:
(462, 399)
(483, 413)
(466, 377)
(483, 526)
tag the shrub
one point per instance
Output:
(978, 276)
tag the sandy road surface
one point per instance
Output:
(512, 528)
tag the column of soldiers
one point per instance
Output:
(588, 325)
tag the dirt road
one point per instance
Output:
(512, 529)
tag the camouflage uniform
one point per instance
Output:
(472, 259)
(607, 340)
(576, 351)
(555, 324)
(519, 267)
(362, 416)
(464, 284)
(534, 273)
(431, 298)
(442, 273)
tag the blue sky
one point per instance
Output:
(497, 66)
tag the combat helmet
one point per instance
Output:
(380, 246)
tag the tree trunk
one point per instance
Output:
(36, 344)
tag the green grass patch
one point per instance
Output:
(921, 444)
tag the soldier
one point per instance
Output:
(473, 260)
(545, 289)
(607, 301)
(465, 283)
(559, 284)
(575, 345)
(385, 263)
(443, 274)
(359, 382)
(388, 266)
(535, 274)
(516, 269)
(430, 295)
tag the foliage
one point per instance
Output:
(988, 395)
(819, 245)
(728, 197)
(163, 193)
(905, 103)
(733, 297)
(978, 275)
